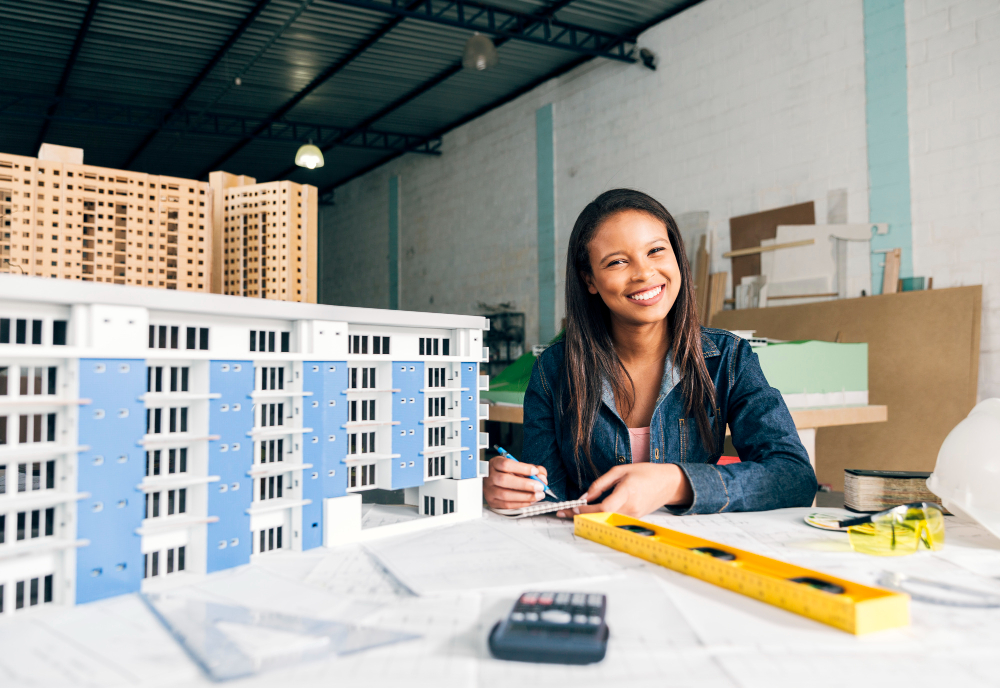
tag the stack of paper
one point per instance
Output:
(878, 490)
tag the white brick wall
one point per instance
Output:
(953, 52)
(755, 104)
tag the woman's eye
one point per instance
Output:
(615, 262)
(658, 249)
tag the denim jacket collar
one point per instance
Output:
(670, 379)
(671, 376)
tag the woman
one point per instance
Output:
(630, 407)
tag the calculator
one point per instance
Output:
(553, 627)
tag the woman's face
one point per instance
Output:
(634, 268)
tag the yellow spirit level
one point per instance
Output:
(834, 601)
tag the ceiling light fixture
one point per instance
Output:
(648, 58)
(480, 53)
(309, 156)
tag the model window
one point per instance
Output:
(31, 592)
(271, 451)
(272, 378)
(173, 562)
(35, 524)
(270, 487)
(38, 427)
(269, 539)
(272, 414)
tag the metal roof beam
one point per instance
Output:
(423, 88)
(81, 34)
(503, 23)
(120, 116)
(321, 79)
(202, 75)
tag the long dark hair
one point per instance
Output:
(590, 354)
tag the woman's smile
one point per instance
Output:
(648, 296)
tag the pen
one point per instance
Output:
(507, 455)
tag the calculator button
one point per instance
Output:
(517, 616)
(562, 599)
(556, 616)
(580, 619)
(545, 598)
(529, 598)
(595, 620)
(531, 616)
(579, 600)
(595, 600)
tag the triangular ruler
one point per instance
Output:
(229, 641)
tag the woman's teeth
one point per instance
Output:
(646, 295)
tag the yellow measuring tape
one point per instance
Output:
(840, 603)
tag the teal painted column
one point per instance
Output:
(545, 151)
(888, 133)
(394, 243)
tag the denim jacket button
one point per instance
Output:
(621, 459)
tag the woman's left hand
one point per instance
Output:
(639, 489)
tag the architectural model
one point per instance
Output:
(146, 435)
(63, 219)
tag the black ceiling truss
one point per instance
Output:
(321, 79)
(326, 193)
(431, 83)
(81, 34)
(202, 75)
(502, 23)
(188, 122)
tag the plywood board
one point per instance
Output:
(747, 231)
(692, 226)
(923, 364)
(701, 268)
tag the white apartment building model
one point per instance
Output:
(149, 435)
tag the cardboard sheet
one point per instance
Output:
(923, 363)
(747, 231)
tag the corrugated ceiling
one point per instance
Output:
(151, 52)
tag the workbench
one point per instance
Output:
(667, 629)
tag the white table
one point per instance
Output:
(666, 629)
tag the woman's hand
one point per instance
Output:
(506, 488)
(639, 489)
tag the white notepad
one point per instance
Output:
(539, 508)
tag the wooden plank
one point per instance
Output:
(890, 277)
(747, 231)
(507, 413)
(802, 296)
(701, 268)
(923, 363)
(843, 415)
(761, 249)
(716, 294)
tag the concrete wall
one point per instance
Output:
(755, 104)
(953, 53)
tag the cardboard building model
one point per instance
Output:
(150, 434)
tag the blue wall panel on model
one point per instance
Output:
(409, 436)
(112, 426)
(325, 447)
(230, 457)
(470, 428)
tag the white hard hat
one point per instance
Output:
(967, 474)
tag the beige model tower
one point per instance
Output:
(63, 219)
(264, 245)
(68, 220)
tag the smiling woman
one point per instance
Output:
(631, 406)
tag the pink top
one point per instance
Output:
(639, 439)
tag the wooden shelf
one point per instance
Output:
(804, 418)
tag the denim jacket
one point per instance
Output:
(774, 471)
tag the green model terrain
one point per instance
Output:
(808, 367)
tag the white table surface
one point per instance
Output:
(667, 629)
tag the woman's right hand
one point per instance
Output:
(507, 487)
